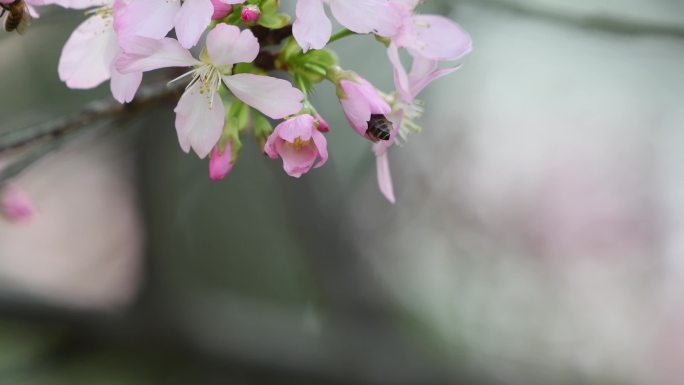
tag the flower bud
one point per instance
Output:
(250, 14)
(220, 164)
(322, 124)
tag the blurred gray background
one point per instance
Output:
(538, 236)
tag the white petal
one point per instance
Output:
(192, 20)
(147, 18)
(276, 98)
(124, 86)
(385, 178)
(366, 16)
(144, 54)
(226, 45)
(87, 55)
(199, 123)
(312, 28)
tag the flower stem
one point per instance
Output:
(341, 35)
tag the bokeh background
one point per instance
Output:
(538, 236)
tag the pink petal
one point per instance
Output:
(192, 20)
(144, 54)
(227, 45)
(221, 9)
(87, 55)
(439, 38)
(297, 161)
(275, 98)
(366, 16)
(385, 178)
(401, 81)
(409, 4)
(199, 124)
(423, 73)
(322, 147)
(312, 28)
(355, 108)
(146, 18)
(124, 86)
(220, 164)
(360, 102)
(299, 127)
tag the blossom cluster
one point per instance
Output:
(226, 52)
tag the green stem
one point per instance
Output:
(341, 35)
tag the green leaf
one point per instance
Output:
(275, 21)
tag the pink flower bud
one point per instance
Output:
(220, 164)
(322, 124)
(250, 14)
(221, 9)
(15, 205)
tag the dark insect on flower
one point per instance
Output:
(17, 18)
(379, 128)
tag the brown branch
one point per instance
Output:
(50, 136)
(95, 112)
(270, 37)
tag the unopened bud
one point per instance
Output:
(250, 14)
(220, 164)
(322, 124)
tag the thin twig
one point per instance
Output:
(93, 113)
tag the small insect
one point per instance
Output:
(17, 16)
(379, 128)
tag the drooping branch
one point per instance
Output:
(91, 114)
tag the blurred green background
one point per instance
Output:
(538, 236)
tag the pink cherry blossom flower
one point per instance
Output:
(88, 55)
(429, 39)
(312, 28)
(200, 111)
(15, 204)
(299, 143)
(156, 18)
(362, 102)
(221, 163)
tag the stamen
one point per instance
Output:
(209, 78)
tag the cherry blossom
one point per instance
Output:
(299, 143)
(313, 29)
(361, 101)
(200, 112)
(229, 91)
